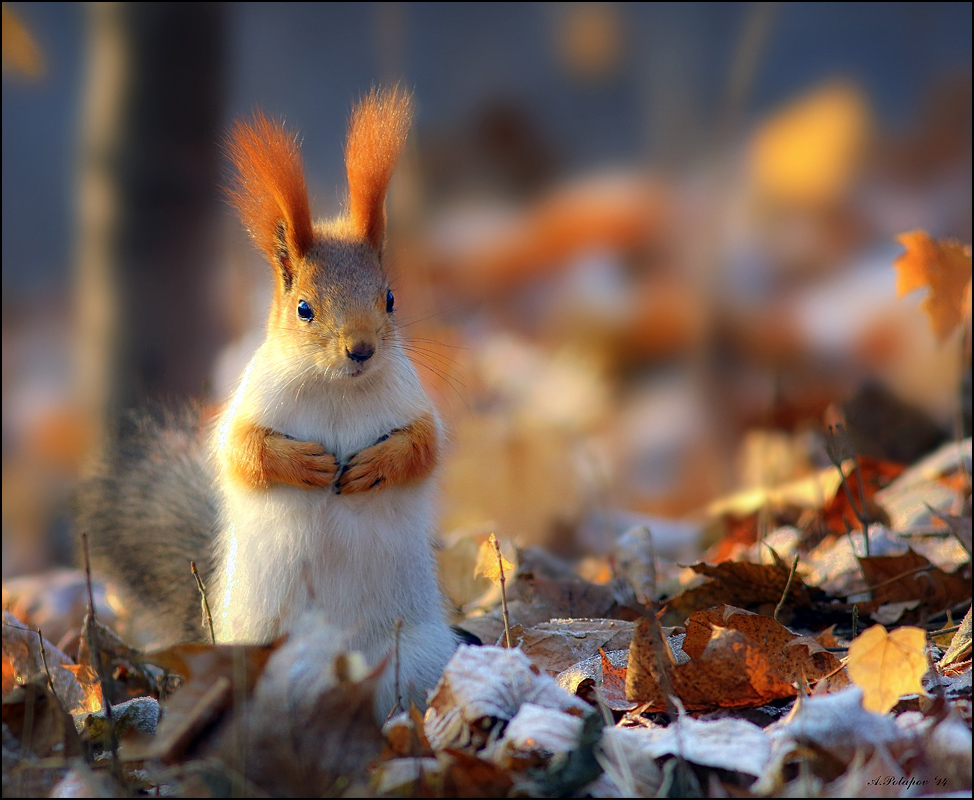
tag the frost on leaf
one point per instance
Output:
(484, 686)
(887, 666)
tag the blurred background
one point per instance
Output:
(639, 250)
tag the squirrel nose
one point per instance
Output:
(360, 351)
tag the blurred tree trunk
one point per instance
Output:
(149, 323)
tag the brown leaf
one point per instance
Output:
(121, 669)
(554, 646)
(942, 266)
(960, 646)
(469, 776)
(910, 576)
(614, 685)
(741, 584)
(29, 656)
(737, 659)
(214, 675)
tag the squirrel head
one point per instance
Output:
(332, 304)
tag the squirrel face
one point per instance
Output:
(338, 312)
(332, 307)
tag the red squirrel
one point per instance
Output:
(316, 489)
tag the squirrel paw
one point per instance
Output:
(366, 470)
(304, 464)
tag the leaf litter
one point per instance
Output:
(804, 656)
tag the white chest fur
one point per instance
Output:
(362, 561)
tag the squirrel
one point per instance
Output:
(315, 489)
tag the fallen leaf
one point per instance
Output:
(737, 659)
(491, 562)
(556, 645)
(960, 645)
(911, 577)
(942, 266)
(809, 151)
(887, 666)
(744, 585)
(30, 655)
(213, 677)
(838, 725)
(41, 735)
(483, 687)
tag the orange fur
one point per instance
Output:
(408, 454)
(270, 186)
(259, 457)
(376, 136)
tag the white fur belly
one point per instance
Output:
(363, 560)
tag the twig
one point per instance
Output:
(206, 603)
(399, 706)
(855, 620)
(837, 436)
(944, 631)
(95, 650)
(784, 594)
(507, 620)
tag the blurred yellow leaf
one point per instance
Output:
(490, 561)
(809, 151)
(887, 666)
(20, 53)
(943, 267)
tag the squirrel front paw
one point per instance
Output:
(367, 469)
(297, 463)
(405, 454)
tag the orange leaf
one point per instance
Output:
(942, 266)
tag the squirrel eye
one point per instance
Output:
(304, 311)
(390, 301)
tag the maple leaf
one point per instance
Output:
(942, 266)
(490, 561)
(887, 666)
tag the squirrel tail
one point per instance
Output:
(148, 509)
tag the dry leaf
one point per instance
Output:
(491, 562)
(809, 151)
(484, 686)
(214, 675)
(744, 585)
(737, 659)
(960, 646)
(943, 267)
(29, 656)
(887, 666)
(911, 577)
(555, 646)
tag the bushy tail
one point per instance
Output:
(148, 510)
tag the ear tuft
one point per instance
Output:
(269, 193)
(376, 136)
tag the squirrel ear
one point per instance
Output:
(269, 192)
(376, 136)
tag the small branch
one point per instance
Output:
(399, 705)
(855, 621)
(207, 616)
(784, 594)
(837, 436)
(95, 649)
(507, 620)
